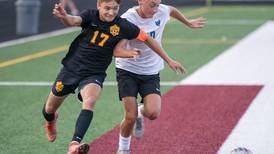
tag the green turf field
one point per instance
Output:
(21, 120)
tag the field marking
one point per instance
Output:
(197, 12)
(228, 22)
(240, 63)
(249, 62)
(68, 30)
(33, 56)
(39, 37)
(244, 53)
(72, 29)
(49, 83)
(239, 8)
(223, 40)
(235, 22)
(53, 51)
(189, 121)
(114, 83)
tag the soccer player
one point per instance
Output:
(142, 74)
(84, 66)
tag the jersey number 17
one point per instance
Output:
(103, 36)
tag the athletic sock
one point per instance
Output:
(124, 142)
(48, 116)
(139, 111)
(82, 125)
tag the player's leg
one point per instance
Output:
(90, 91)
(130, 110)
(151, 94)
(151, 107)
(52, 104)
(128, 90)
(50, 114)
(64, 84)
(127, 124)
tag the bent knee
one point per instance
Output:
(50, 108)
(89, 102)
(153, 115)
(130, 118)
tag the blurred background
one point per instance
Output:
(12, 10)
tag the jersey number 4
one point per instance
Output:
(103, 36)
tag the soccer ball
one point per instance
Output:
(241, 150)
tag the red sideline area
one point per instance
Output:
(194, 120)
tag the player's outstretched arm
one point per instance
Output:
(174, 65)
(121, 52)
(68, 20)
(191, 23)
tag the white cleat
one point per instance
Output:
(138, 130)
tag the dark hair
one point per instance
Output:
(101, 1)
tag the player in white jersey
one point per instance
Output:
(141, 75)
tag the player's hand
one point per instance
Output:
(176, 67)
(134, 53)
(197, 23)
(59, 11)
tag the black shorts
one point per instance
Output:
(67, 81)
(130, 84)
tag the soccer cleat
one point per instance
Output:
(77, 148)
(138, 130)
(123, 152)
(50, 128)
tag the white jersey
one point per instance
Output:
(148, 63)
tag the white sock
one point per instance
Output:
(139, 111)
(124, 142)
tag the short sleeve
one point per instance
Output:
(124, 15)
(166, 10)
(130, 31)
(86, 16)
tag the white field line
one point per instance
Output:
(39, 37)
(255, 128)
(73, 29)
(249, 62)
(49, 83)
(234, 22)
(228, 22)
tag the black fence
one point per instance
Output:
(48, 23)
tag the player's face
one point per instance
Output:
(149, 7)
(108, 10)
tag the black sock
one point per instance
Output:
(48, 116)
(82, 125)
